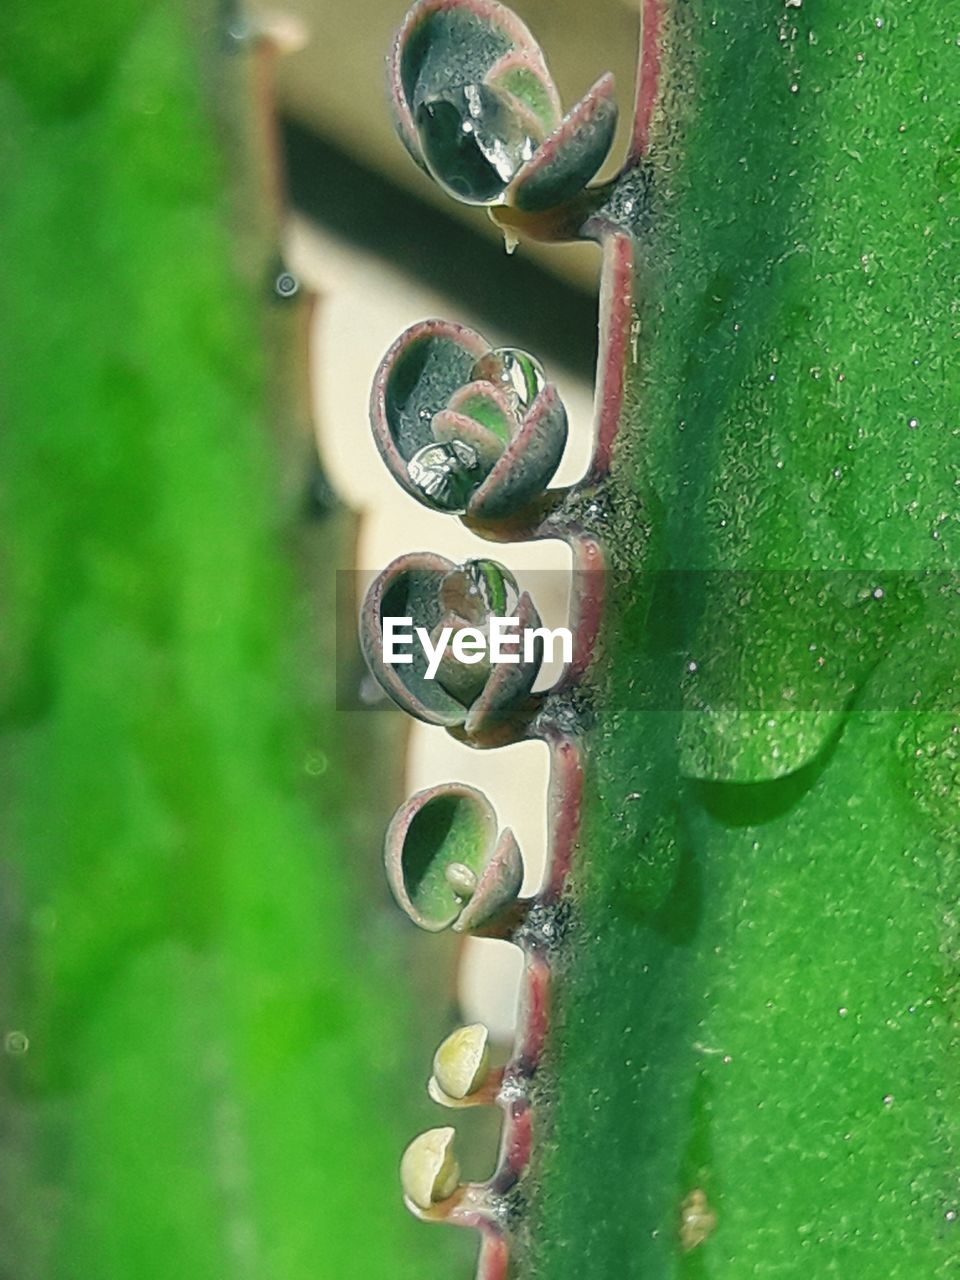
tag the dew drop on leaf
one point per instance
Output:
(515, 372)
(445, 473)
(479, 588)
(474, 141)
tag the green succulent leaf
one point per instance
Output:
(476, 107)
(567, 160)
(436, 828)
(444, 861)
(757, 998)
(463, 427)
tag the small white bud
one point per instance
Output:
(461, 879)
(429, 1172)
(461, 1063)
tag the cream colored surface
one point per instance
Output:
(364, 306)
(336, 85)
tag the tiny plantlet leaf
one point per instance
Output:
(461, 880)
(570, 157)
(476, 107)
(497, 888)
(408, 588)
(441, 842)
(429, 1172)
(463, 427)
(517, 373)
(461, 1063)
(428, 631)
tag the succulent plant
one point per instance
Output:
(464, 427)
(740, 971)
(476, 107)
(445, 863)
(461, 1067)
(447, 603)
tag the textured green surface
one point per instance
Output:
(220, 1074)
(451, 829)
(759, 996)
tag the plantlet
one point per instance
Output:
(445, 863)
(429, 1171)
(734, 1056)
(475, 105)
(461, 1067)
(440, 600)
(464, 427)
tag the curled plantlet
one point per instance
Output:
(448, 868)
(464, 427)
(454, 645)
(462, 1076)
(476, 107)
(429, 1171)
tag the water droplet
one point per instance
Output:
(515, 372)
(478, 588)
(473, 141)
(446, 473)
(286, 284)
(15, 1043)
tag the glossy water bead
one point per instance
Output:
(446, 473)
(474, 141)
(515, 372)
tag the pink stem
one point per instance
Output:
(534, 1019)
(648, 77)
(616, 326)
(566, 793)
(494, 1261)
(589, 581)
